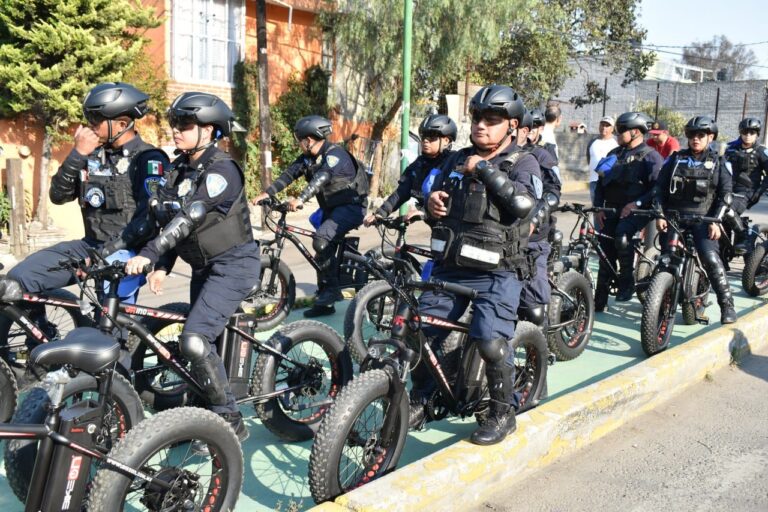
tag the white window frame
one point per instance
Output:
(197, 49)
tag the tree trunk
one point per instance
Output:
(41, 214)
(377, 133)
(265, 120)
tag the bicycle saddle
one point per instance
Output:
(85, 348)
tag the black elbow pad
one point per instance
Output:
(314, 186)
(180, 227)
(521, 205)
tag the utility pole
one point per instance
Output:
(265, 121)
(406, 119)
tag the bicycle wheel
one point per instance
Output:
(570, 340)
(754, 277)
(348, 450)
(699, 286)
(309, 388)
(369, 315)
(531, 353)
(644, 271)
(269, 305)
(658, 318)
(157, 384)
(58, 321)
(124, 413)
(9, 392)
(161, 446)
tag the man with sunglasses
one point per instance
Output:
(341, 186)
(481, 207)
(437, 132)
(697, 181)
(111, 172)
(749, 164)
(625, 186)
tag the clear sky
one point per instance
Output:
(681, 22)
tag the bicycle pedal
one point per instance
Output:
(703, 320)
(551, 359)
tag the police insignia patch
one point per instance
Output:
(765, 151)
(729, 167)
(122, 165)
(708, 164)
(332, 160)
(154, 168)
(556, 170)
(216, 184)
(151, 184)
(184, 187)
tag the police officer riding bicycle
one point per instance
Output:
(697, 181)
(627, 175)
(203, 212)
(480, 208)
(341, 186)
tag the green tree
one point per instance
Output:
(536, 48)
(674, 119)
(53, 51)
(447, 34)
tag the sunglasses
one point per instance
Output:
(181, 120)
(749, 132)
(93, 118)
(696, 135)
(490, 118)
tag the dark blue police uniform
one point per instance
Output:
(630, 180)
(221, 251)
(410, 183)
(750, 173)
(113, 186)
(342, 191)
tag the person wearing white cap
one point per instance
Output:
(598, 149)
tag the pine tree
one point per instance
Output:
(53, 51)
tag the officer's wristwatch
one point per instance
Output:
(638, 203)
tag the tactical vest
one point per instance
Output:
(692, 184)
(475, 234)
(106, 192)
(624, 183)
(743, 164)
(339, 191)
(421, 168)
(219, 232)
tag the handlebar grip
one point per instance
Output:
(713, 220)
(453, 288)
(646, 213)
(267, 201)
(148, 268)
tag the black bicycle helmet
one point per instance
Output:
(316, 127)
(537, 118)
(527, 121)
(440, 125)
(701, 124)
(201, 108)
(498, 99)
(633, 120)
(111, 100)
(750, 123)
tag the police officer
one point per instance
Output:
(437, 133)
(481, 218)
(204, 216)
(111, 172)
(534, 134)
(342, 190)
(697, 181)
(536, 292)
(626, 186)
(749, 164)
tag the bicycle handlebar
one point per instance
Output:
(580, 208)
(675, 215)
(437, 284)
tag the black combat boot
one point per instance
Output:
(719, 280)
(602, 291)
(501, 417)
(626, 278)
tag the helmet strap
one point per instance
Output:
(198, 147)
(110, 139)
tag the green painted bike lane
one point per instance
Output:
(276, 472)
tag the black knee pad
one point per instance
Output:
(492, 351)
(320, 244)
(711, 259)
(194, 347)
(538, 314)
(10, 290)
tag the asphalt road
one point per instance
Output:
(704, 450)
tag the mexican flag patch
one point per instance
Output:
(154, 168)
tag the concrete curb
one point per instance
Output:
(464, 474)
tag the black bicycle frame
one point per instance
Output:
(65, 453)
(283, 231)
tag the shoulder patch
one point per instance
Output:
(765, 151)
(152, 183)
(556, 170)
(729, 167)
(538, 186)
(216, 184)
(332, 160)
(154, 168)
